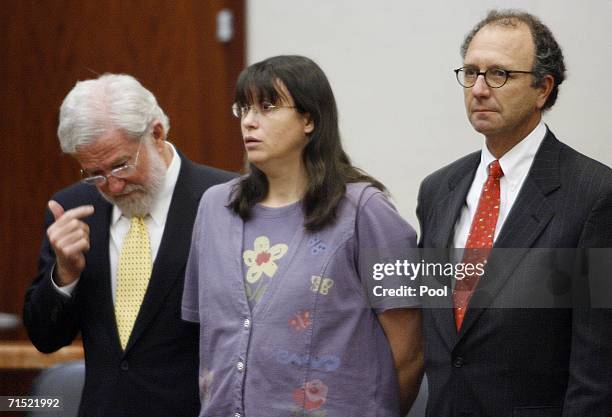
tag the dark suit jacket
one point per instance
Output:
(157, 375)
(510, 362)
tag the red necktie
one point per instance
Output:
(479, 241)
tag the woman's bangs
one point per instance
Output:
(257, 86)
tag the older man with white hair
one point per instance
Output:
(112, 263)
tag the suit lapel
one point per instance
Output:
(444, 218)
(98, 261)
(447, 211)
(173, 251)
(528, 218)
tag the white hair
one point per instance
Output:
(111, 102)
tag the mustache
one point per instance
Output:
(125, 195)
(130, 188)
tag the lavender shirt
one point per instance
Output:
(312, 346)
(266, 240)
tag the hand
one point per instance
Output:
(69, 238)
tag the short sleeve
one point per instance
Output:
(386, 249)
(190, 303)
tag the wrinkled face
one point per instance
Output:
(275, 133)
(134, 195)
(513, 110)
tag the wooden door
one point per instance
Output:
(171, 46)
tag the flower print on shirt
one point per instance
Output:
(300, 321)
(311, 395)
(261, 261)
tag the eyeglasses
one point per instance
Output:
(494, 77)
(265, 108)
(122, 171)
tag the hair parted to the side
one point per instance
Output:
(548, 59)
(328, 167)
(110, 102)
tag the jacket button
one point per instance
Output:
(124, 365)
(458, 362)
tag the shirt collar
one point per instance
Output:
(161, 203)
(516, 162)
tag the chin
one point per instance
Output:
(483, 126)
(255, 159)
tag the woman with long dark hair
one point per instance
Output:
(280, 270)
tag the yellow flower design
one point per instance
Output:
(261, 260)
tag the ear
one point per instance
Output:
(548, 82)
(158, 133)
(308, 124)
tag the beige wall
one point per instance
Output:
(390, 66)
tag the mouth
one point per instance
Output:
(251, 142)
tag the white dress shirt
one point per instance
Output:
(515, 164)
(155, 221)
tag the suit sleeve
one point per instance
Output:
(588, 392)
(50, 317)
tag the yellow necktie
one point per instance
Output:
(133, 275)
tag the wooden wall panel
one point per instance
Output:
(46, 46)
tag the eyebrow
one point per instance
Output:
(115, 164)
(500, 66)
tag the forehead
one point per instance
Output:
(501, 45)
(106, 150)
(258, 90)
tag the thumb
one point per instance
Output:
(56, 209)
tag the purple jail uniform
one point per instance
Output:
(312, 346)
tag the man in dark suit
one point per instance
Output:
(112, 263)
(517, 340)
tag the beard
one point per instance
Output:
(137, 200)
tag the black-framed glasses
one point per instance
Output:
(264, 108)
(123, 171)
(494, 77)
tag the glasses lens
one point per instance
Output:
(496, 77)
(267, 107)
(467, 76)
(236, 111)
(123, 171)
(94, 180)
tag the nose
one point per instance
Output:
(115, 185)
(249, 120)
(481, 88)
